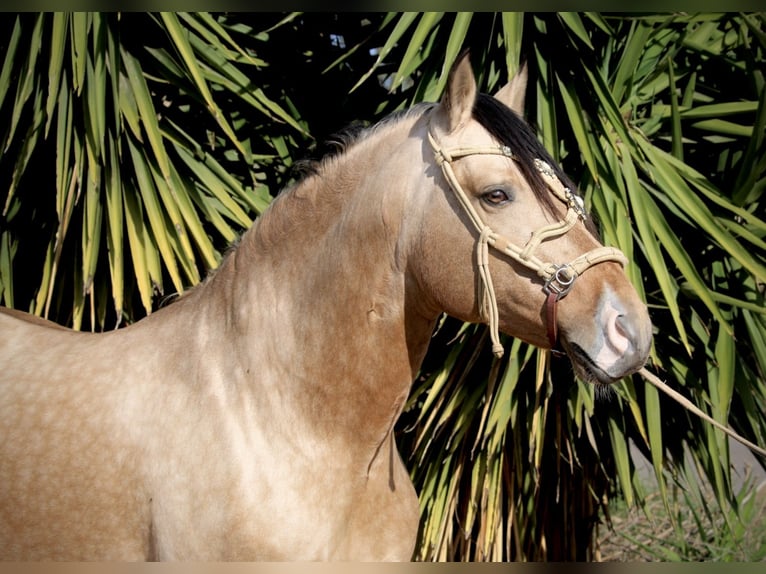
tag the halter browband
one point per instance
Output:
(558, 278)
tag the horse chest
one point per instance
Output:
(249, 500)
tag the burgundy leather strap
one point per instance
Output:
(551, 322)
(550, 318)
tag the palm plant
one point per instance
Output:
(136, 146)
(129, 136)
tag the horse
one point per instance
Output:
(253, 418)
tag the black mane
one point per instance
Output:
(336, 144)
(508, 128)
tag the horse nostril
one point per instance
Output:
(618, 330)
(623, 336)
(622, 324)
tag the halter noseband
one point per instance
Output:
(558, 278)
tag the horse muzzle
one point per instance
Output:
(616, 344)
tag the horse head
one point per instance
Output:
(508, 241)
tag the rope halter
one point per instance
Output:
(558, 279)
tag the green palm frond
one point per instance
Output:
(149, 149)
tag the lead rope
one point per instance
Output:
(688, 405)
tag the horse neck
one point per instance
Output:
(323, 303)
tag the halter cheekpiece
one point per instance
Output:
(558, 279)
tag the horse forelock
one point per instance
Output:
(509, 129)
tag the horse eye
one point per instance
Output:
(496, 196)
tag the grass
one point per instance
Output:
(687, 530)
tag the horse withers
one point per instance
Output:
(253, 418)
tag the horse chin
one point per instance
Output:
(585, 368)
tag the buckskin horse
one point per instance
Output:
(252, 419)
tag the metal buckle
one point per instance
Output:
(561, 282)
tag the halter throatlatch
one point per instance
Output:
(558, 279)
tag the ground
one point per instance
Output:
(699, 530)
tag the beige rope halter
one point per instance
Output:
(558, 278)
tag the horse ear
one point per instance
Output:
(457, 102)
(514, 92)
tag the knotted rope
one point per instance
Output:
(489, 299)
